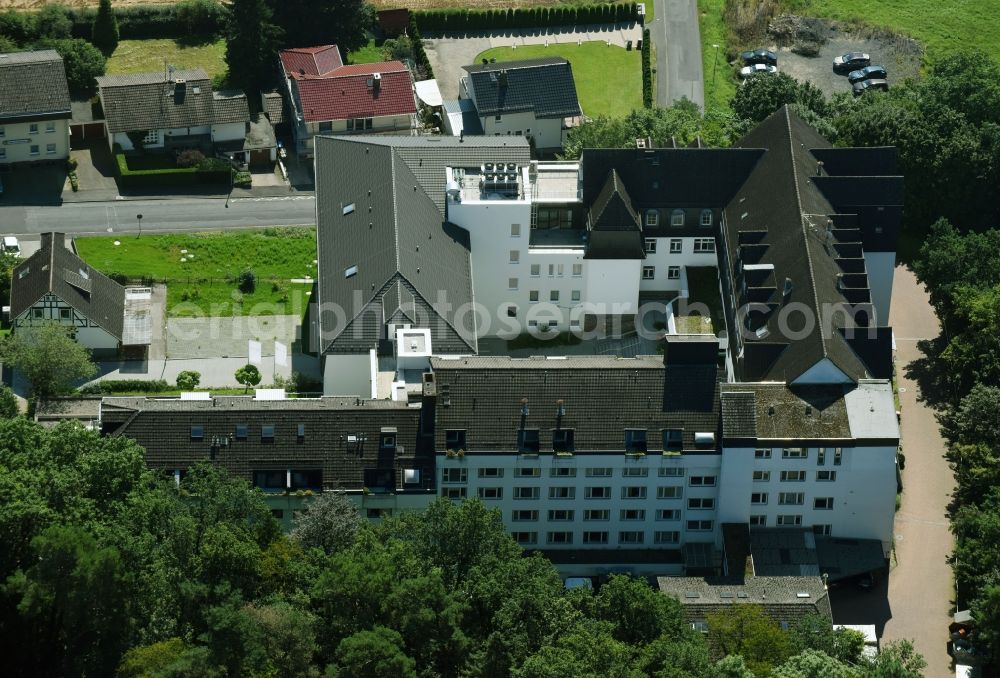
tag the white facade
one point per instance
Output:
(158, 138)
(51, 308)
(546, 132)
(36, 141)
(666, 259)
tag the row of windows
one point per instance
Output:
(568, 492)
(836, 453)
(624, 537)
(34, 149)
(593, 515)
(555, 270)
(676, 246)
(528, 439)
(792, 499)
(32, 129)
(677, 217)
(790, 520)
(241, 432)
(533, 295)
(461, 474)
(649, 272)
(795, 476)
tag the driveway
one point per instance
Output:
(33, 185)
(95, 171)
(677, 37)
(212, 337)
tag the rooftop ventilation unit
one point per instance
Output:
(704, 438)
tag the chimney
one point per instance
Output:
(376, 82)
(819, 168)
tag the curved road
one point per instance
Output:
(677, 37)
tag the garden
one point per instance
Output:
(145, 56)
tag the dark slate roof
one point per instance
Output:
(406, 256)
(145, 101)
(274, 106)
(780, 597)
(33, 84)
(613, 225)
(230, 106)
(162, 426)
(53, 269)
(601, 395)
(543, 86)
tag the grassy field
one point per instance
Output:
(720, 88)
(595, 67)
(200, 268)
(143, 56)
(369, 54)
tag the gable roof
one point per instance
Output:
(783, 599)
(274, 106)
(33, 84)
(53, 269)
(304, 61)
(357, 91)
(144, 101)
(384, 247)
(230, 106)
(614, 227)
(543, 86)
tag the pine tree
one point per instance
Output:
(105, 30)
(251, 44)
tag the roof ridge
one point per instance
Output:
(395, 207)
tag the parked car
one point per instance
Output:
(11, 245)
(747, 71)
(851, 61)
(867, 73)
(759, 56)
(866, 85)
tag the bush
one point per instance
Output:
(525, 17)
(242, 179)
(647, 71)
(190, 158)
(53, 22)
(126, 386)
(119, 278)
(207, 172)
(246, 281)
(188, 380)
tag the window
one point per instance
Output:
(668, 514)
(559, 270)
(631, 537)
(278, 514)
(673, 442)
(597, 514)
(838, 455)
(635, 440)
(197, 432)
(671, 472)
(634, 492)
(648, 272)
(677, 218)
(597, 492)
(823, 503)
(498, 118)
(327, 126)
(35, 312)
(536, 270)
(515, 230)
(512, 311)
(3, 132)
(823, 530)
(350, 271)
(652, 218)
(560, 515)
(673, 272)
(794, 453)
(552, 270)
(512, 283)
(152, 137)
(577, 270)
(3, 153)
(562, 441)
(267, 433)
(599, 472)
(33, 150)
(758, 520)
(669, 492)
(50, 127)
(574, 295)
(527, 440)
(562, 471)
(525, 538)
(306, 479)
(454, 439)
(762, 454)
(454, 475)
(523, 516)
(793, 476)
(515, 256)
(699, 525)
(666, 537)
(706, 218)
(242, 430)
(704, 245)
(562, 492)
(491, 472)
(701, 503)
(527, 472)
(50, 149)
(554, 295)
(761, 476)
(826, 476)
(453, 492)
(791, 498)
(676, 246)
(789, 521)
(651, 245)
(559, 538)
(525, 493)
(702, 481)
(374, 513)
(33, 128)
(821, 456)
(632, 514)
(270, 480)
(595, 537)
(64, 314)
(491, 493)
(758, 498)
(635, 472)
(300, 433)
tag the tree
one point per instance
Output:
(761, 95)
(48, 357)
(986, 613)
(248, 375)
(745, 630)
(8, 261)
(814, 664)
(329, 522)
(104, 34)
(895, 659)
(377, 653)
(53, 21)
(251, 41)
(146, 660)
(812, 632)
(83, 63)
(188, 380)
(8, 403)
(638, 613)
(344, 23)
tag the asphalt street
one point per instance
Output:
(180, 214)
(677, 37)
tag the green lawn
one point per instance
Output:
(143, 56)
(608, 79)
(720, 88)
(206, 280)
(369, 54)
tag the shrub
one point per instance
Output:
(53, 22)
(126, 385)
(83, 62)
(119, 278)
(242, 179)
(647, 71)
(246, 281)
(190, 158)
(208, 172)
(188, 380)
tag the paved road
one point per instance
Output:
(920, 587)
(677, 37)
(179, 214)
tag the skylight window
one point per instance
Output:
(350, 271)
(348, 208)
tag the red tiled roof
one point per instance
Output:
(346, 93)
(314, 61)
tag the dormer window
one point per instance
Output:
(387, 439)
(706, 217)
(652, 217)
(267, 433)
(673, 439)
(562, 440)
(635, 440)
(300, 433)
(454, 439)
(677, 218)
(527, 440)
(197, 433)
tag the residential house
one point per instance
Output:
(55, 285)
(535, 98)
(327, 97)
(171, 111)
(35, 107)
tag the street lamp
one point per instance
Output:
(230, 186)
(139, 218)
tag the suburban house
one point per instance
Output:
(35, 107)
(327, 97)
(175, 111)
(55, 285)
(535, 98)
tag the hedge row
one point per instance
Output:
(419, 55)
(126, 386)
(523, 17)
(171, 176)
(647, 71)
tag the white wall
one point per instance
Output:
(347, 374)
(547, 132)
(18, 143)
(613, 283)
(88, 333)
(881, 266)
(662, 259)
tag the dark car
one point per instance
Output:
(866, 85)
(759, 56)
(851, 61)
(867, 73)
